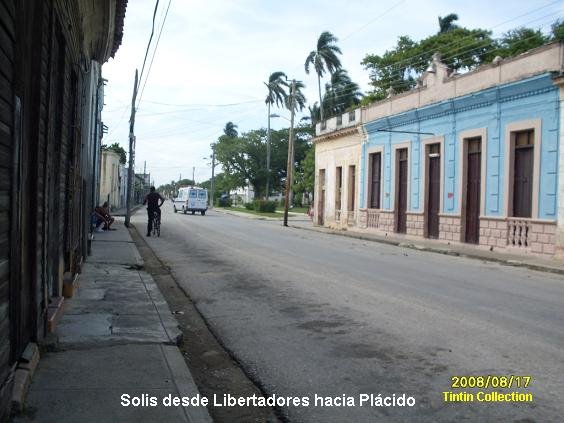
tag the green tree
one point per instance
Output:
(299, 97)
(519, 40)
(557, 30)
(276, 88)
(400, 67)
(341, 94)
(243, 158)
(118, 149)
(324, 59)
(230, 129)
(446, 23)
(393, 69)
(304, 178)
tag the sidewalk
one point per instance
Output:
(122, 211)
(435, 246)
(117, 336)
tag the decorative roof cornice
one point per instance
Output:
(350, 130)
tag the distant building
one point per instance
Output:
(123, 172)
(243, 194)
(110, 179)
(472, 158)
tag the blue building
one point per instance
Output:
(465, 158)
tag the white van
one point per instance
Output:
(191, 199)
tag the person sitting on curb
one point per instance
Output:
(103, 216)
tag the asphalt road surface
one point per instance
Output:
(309, 314)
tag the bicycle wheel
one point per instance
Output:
(158, 227)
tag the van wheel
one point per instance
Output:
(203, 212)
(184, 210)
(193, 212)
(175, 209)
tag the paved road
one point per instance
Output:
(307, 313)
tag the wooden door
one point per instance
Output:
(434, 190)
(523, 182)
(321, 208)
(473, 189)
(401, 221)
(375, 169)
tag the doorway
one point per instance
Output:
(433, 202)
(473, 190)
(401, 200)
(321, 203)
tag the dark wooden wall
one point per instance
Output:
(41, 97)
(7, 46)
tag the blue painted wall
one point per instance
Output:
(494, 109)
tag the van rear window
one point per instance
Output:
(202, 194)
(193, 194)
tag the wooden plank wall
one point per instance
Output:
(7, 44)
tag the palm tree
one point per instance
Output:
(299, 97)
(446, 23)
(230, 130)
(341, 93)
(323, 59)
(276, 86)
(276, 94)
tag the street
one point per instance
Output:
(307, 313)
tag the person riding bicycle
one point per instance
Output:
(152, 201)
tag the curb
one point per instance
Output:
(23, 376)
(447, 252)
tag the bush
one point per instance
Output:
(264, 206)
(250, 206)
(225, 201)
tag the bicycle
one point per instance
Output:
(156, 224)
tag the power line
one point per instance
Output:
(409, 60)
(204, 105)
(373, 20)
(150, 39)
(154, 53)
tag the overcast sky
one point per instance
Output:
(214, 55)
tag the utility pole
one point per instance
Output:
(268, 155)
(130, 174)
(193, 171)
(213, 175)
(289, 165)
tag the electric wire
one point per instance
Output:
(149, 43)
(154, 54)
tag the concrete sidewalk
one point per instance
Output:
(529, 261)
(117, 336)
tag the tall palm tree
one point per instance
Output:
(341, 93)
(276, 95)
(446, 23)
(276, 86)
(299, 97)
(323, 59)
(230, 130)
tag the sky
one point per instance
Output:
(213, 56)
